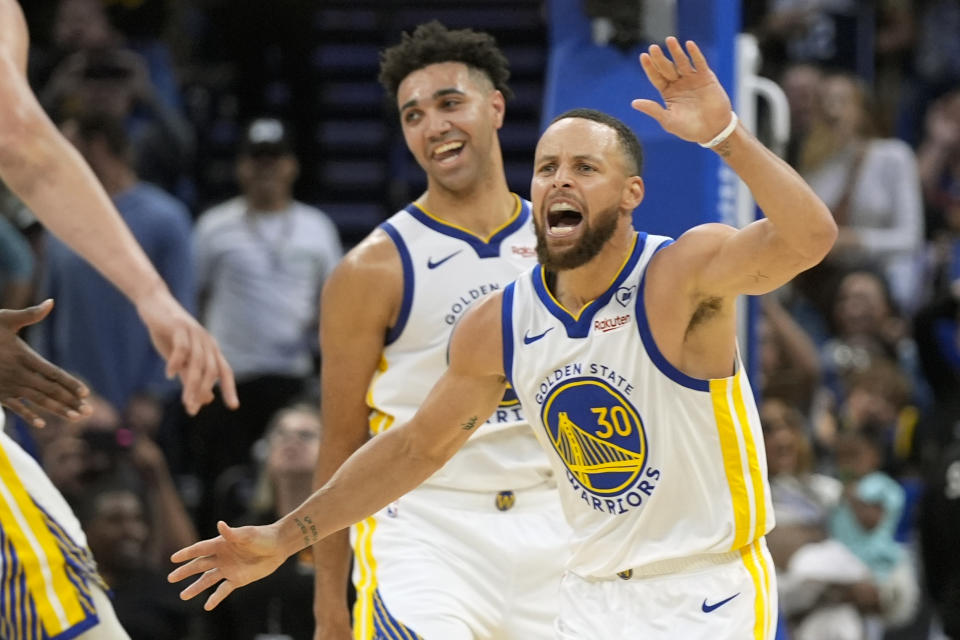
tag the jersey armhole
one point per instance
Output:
(394, 332)
(506, 328)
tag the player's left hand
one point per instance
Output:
(190, 352)
(237, 557)
(697, 107)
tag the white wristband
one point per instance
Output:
(723, 135)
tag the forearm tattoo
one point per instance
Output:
(307, 529)
(469, 424)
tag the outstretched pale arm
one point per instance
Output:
(52, 179)
(798, 230)
(382, 470)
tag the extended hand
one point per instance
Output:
(697, 106)
(189, 350)
(233, 559)
(26, 376)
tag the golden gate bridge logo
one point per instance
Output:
(597, 433)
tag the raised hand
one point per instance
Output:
(696, 106)
(28, 381)
(233, 559)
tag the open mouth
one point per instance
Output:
(563, 218)
(448, 151)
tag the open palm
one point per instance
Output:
(233, 559)
(696, 106)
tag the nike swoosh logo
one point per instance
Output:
(529, 339)
(432, 264)
(707, 608)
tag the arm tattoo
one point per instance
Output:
(757, 277)
(314, 535)
(309, 536)
(724, 149)
(469, 424)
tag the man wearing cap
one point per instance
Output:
(261, 260)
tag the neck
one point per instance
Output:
(116, 178)
(291, 490)
(482, 208)
(267, 203)
(573, 288)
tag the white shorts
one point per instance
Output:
(720, 597)
(49, 586)
(453, 565)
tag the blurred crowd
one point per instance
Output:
(859, 358)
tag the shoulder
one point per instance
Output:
(890, 150)
(313, 216)
(163, 201)
(373, 266)
(219, 216)
(477, 340)
(690, 251)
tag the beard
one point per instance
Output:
(594, 237)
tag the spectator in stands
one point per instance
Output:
(282, 603)
(261, 259)
(101, 449)
(801, 84)
(827, 33)
(118, 532)
(866, 522)
(16, 266)
(870, 184)
(117, 80)
(789, 360)
(94, 331)
(939, 160)
(865, 326)
(816, 576)
(935, 66)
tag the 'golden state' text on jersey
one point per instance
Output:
(653, 465)
(446, 269)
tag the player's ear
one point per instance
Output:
(499, 105)
(633, 191)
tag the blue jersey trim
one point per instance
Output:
(485, 248)
(77, 629)
(506, 327)
(386, 626)
(394, 332)
(643, 326)
(579, 326)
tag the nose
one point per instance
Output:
(437, 126)
(562, 178)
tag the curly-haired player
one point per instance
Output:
(477, 551)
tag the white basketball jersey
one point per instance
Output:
(446, 269)
(653, 465)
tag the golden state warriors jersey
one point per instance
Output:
(446, 269)
(46, 571)
(653, 465)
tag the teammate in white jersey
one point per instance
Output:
(478, 550)
(49, 587)
(623, 347)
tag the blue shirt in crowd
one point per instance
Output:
(94, 331)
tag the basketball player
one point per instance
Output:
(49, 587)
(623, 346)
(477, 551)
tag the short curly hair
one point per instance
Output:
(433, 43)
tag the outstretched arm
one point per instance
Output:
(385, 468)
(798, 230)
(51, 178)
